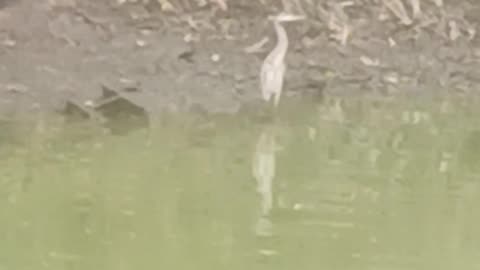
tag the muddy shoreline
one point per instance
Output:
(57, 51)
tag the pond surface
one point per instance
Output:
(352, 183)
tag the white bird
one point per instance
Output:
(273, 68)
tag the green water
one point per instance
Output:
(349, 184)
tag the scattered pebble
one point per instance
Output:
(141, 43)
(215, 57)
(166, 6)
(391, 42)
(9, 42)
(89, 103)
(189, 38)
(370, 62)
(391, 77)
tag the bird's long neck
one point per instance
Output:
(282, 40)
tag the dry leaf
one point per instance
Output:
(367, 61)
(454, 32)
(471, 32)
(338, 22)
(257, 47)
(438, 3)
(417, 12)
(166, 6)
(398, 9)
(391, 42)
(221, 3)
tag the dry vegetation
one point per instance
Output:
(343, 19)
(186, 46)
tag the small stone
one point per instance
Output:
(89, 103)
(9, 42)
(391, 42)
(367, 61)
(391, 78)
(188, 38)
(166, 6)
(141, 43)
(215, 57)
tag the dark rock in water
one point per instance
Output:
(112, 110)
(108, 92)
(122, 115)
(75, 112)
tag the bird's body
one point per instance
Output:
(273, 68)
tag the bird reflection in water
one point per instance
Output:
(263, 169)
(271, 78)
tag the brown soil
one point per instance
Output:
(55, 51)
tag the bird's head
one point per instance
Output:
(286, 17)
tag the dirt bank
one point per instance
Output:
(201, 58)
